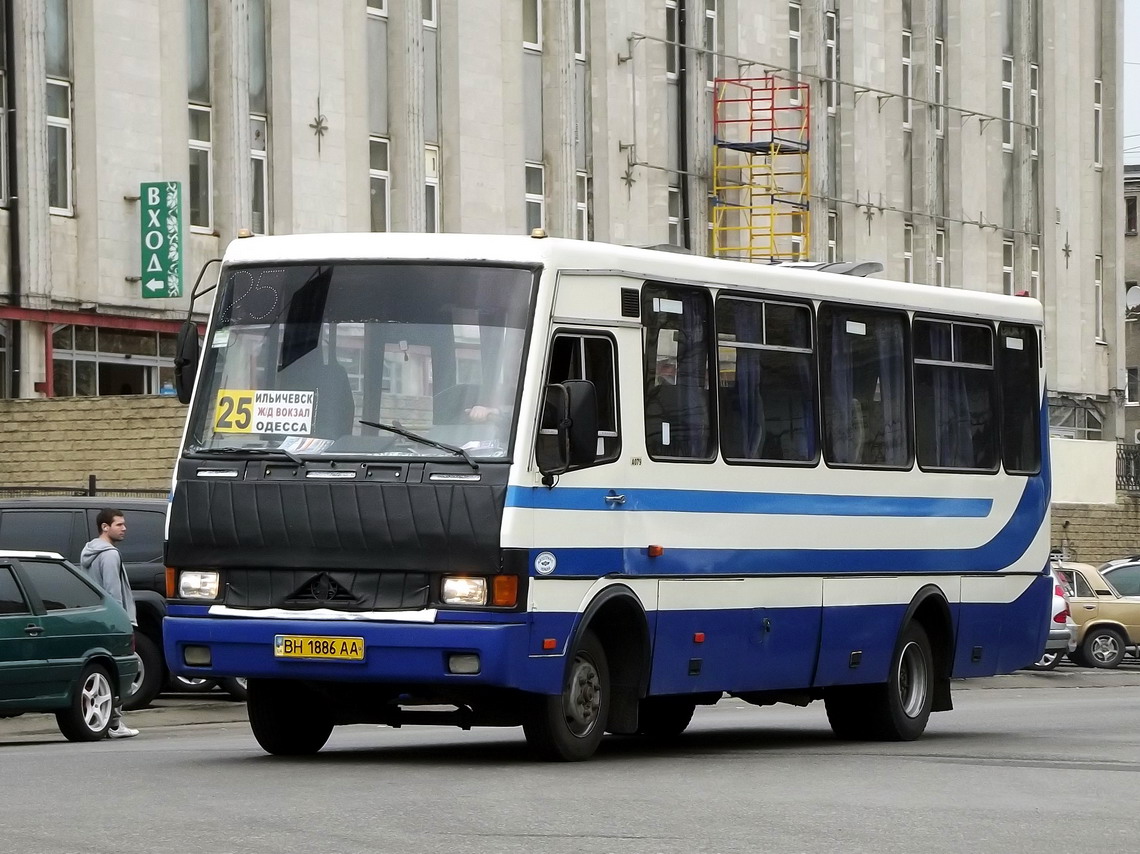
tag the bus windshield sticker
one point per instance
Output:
(668, 306)
(1014, 344)
(221, 338)
(856, 328)
(265, 411)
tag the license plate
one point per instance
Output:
(318, 646)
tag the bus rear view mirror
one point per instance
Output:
(186, 355)
(568, 438)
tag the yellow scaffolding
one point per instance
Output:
(761, 169)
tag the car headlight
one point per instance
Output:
(198, 584)
(464, 591)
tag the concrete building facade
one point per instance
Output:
(962, 143)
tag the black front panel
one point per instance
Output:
(338, 526)
(302, 589)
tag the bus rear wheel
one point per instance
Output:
(896, 710)
(664, 717)
(568, 727)
(287, 718)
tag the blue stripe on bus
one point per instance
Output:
(1004, 549)
(759, 503)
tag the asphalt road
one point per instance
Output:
(1025, 763)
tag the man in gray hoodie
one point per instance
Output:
(104, 565)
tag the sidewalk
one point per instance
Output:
(166, 712)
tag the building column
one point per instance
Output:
(406, 115)
(699, 130)
(233, 190)
(558, 116)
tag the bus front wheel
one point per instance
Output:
(287, 718)
(568, 727)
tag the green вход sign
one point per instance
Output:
(161, 215)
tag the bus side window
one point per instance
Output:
(766, 381)
(863, 370)
(956, 389)
(1020, 398)
(587, 357)
(678, 366)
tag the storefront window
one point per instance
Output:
(90, 361)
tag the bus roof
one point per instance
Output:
(593, 257)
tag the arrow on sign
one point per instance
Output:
(154, 285)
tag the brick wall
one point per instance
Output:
(126, 442)
(1094, 533)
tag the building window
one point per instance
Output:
(908, 253)
(794, 47)
(379, 183)
(939, 87)
(832, 236)
(1007, 103)
(59, 146)
(797, 235)
(940, 257)
(672, 39)
(259, 167)
(582, 206)
(378, 7)
(535, 196)
(429, 12)
(1132, 387)
(676, 238)
(711, 42)
(1098, 143)
(831, 60)
(57, 66)
(1035, 272)
(580, 30)
(1098, 295)
(201, 191)
(1129, 214)
(532, 24)
(907, 80)
(1034, 106)
(431, 189)
(90, 361)
(1007, 267)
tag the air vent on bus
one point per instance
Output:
(630, 303)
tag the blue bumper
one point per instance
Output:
(413, 654)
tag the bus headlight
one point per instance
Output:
(464, 591)
(198, 584)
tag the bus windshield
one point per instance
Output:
(300, 355)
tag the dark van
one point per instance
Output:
(65, 524)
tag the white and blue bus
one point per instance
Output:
(582, 488)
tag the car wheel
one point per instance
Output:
(151, 675)
(288, 718)
(569, 726)
(236, 686)
(1047, 661)
(896, 710)
(664, 717)
(191, 685)
(1103, 647)
(88, 715)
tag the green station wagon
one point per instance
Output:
(65, 647)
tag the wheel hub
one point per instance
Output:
(582, 700)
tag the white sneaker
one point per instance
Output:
(121, 730)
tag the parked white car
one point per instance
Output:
(1062, 630)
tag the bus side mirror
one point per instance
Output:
(568, 435)
(186, 355)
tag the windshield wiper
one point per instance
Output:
(416, 437)
(256, 452)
